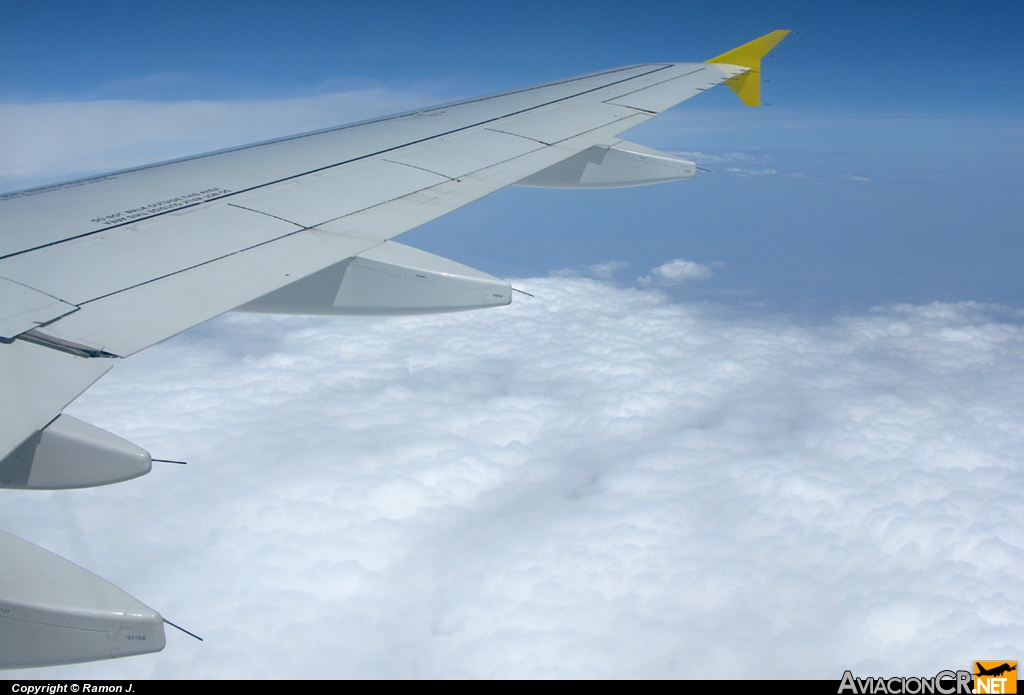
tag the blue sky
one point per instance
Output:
(887, 168)
(944, 58)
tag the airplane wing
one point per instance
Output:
(95, 270)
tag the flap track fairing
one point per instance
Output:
(388, 280)
(69, 453)
(618, 166)
(54, 612)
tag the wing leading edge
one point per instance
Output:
(99, 269)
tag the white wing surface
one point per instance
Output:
(96, 270)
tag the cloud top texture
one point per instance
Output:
(594, 483)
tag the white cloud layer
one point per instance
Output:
(675, 272)
(598, 483)
(606, 271)
(751, 172)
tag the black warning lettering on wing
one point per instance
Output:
(161, 206)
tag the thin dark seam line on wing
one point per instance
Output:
(260, 212)
(413, 166)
